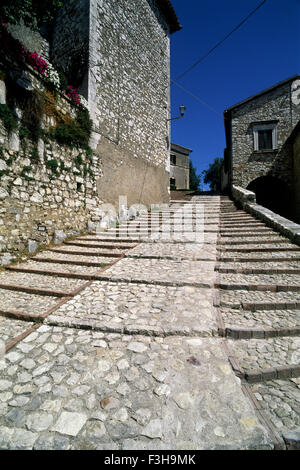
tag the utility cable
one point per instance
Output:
(220, 42)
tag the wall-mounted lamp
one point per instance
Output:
(182, 110)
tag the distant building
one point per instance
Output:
(259, 154)
(180, 167)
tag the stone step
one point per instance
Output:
(73, 250)
(263, 239)
(166, 272)
(245, 324)
(23, 305)
(279, 401)
(94, 243)
(56, 269)
(81, 260)
(254, 268)
(275, 282)
(133, 308)
(280, 247)
(258, 257)
(267, 359)
(37, 281)
(248, 300)
(12, 330)
(245, 230)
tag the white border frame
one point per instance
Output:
(265, 127)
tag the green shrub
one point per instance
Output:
(52, 165)
(75, 133)
(8, 118)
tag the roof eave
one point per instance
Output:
(169, 13)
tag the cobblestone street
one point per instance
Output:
(125, 343)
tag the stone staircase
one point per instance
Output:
(121, 339)
(259, 304)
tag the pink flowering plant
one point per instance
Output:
(37, 62)
(74, 95)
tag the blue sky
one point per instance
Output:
(264, 51)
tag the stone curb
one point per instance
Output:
(35, 290)
(273, 373)
(260, 249)
(260, 288)
(99, 245)
(153, 283)
(256, 333)
(85, 253)
(72, 262)
(256, 260)
(225, 270)
(279, 443)
(144, 330)
(20, 337)
(51, 273)
(262, 305)
(20, 316)
(250, 242)
(170, 258)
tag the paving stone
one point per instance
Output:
(280, 400)
(208, 394)
(70, 423)
(25, 303)
(266, 353)
(140, 308)
(40, 281)
(149, 270)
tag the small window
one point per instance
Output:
(265, 137)
(172, 181)
(173, 159)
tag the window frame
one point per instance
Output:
(174, 157)
(265, 127)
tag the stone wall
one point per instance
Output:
(36, 202)
(280, 104)
(129, 99)
(70, 42)
(286, 227)
(125, 75)
(296, 176)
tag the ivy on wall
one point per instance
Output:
(34, 13)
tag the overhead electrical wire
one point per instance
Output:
(219, 43)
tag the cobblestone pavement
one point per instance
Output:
(238, 298)
(151, 310)
(266, 353)
(260, 279)
(128, 355)
(87, 390)
(264, 319)
(259, 302)
(280, 400)
(191, 251)
(9, 329)
(164, 271)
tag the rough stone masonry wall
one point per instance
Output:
(296, 175)
(129, 99)
(70, 42)
(248, 165)
(35, 204)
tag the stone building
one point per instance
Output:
(121, 58)
(180, 167)
(117, 52)
(259, 153)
